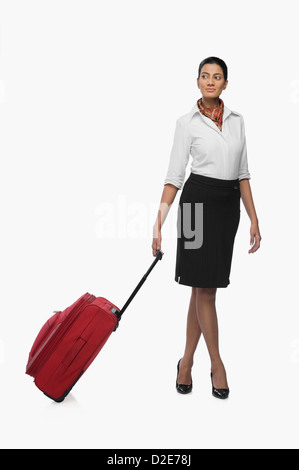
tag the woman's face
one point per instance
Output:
(211, 81)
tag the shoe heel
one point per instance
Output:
(182, 388)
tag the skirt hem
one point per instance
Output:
(204, 284)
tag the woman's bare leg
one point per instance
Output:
(193, 333)
(207, 318)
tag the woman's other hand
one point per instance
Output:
(255, 237)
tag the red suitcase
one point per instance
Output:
(71, 339)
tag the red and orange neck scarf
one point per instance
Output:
(216, 114)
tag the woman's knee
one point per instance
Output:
(193, 291)
(206, 292)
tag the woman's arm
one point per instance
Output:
(168, 196)
(247, 199)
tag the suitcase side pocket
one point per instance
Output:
(74, 351)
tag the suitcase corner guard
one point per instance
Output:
(117, 313)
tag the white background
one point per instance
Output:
(90, 92)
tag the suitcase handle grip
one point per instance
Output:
(159, 255)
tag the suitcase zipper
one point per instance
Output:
(56, 338)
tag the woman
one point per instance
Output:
(208, 212)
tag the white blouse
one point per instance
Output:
(215, 153)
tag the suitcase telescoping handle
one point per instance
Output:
(159, 255)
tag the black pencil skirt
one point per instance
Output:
(207, 222)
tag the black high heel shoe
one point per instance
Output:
(181, 388)
(219, 392)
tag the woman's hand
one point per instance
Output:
(157, 240)
(168, 196)
(255, 237)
